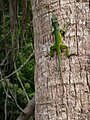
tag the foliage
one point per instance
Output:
(16, 45)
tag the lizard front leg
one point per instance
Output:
(64, 30)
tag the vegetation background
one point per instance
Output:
(16, 57)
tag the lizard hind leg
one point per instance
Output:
(52, 49)
(68, 54)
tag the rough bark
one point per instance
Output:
(51, 103)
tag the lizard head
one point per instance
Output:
(54, 21)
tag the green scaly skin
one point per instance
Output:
(56, 47)
(59, 46)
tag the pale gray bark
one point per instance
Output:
(51, 102)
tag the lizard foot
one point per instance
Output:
(72, 54)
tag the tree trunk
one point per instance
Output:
(51, 101)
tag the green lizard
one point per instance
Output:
(58, 47)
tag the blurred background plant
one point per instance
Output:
(17, 59)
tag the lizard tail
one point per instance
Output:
(60, 66)
(60, 69)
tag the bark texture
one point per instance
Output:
(51, 102)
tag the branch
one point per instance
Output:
(18, 68)
(28, 111)
(21, 83)
(5, 105)
(4, 59)
(6, 99)
(16, 102)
